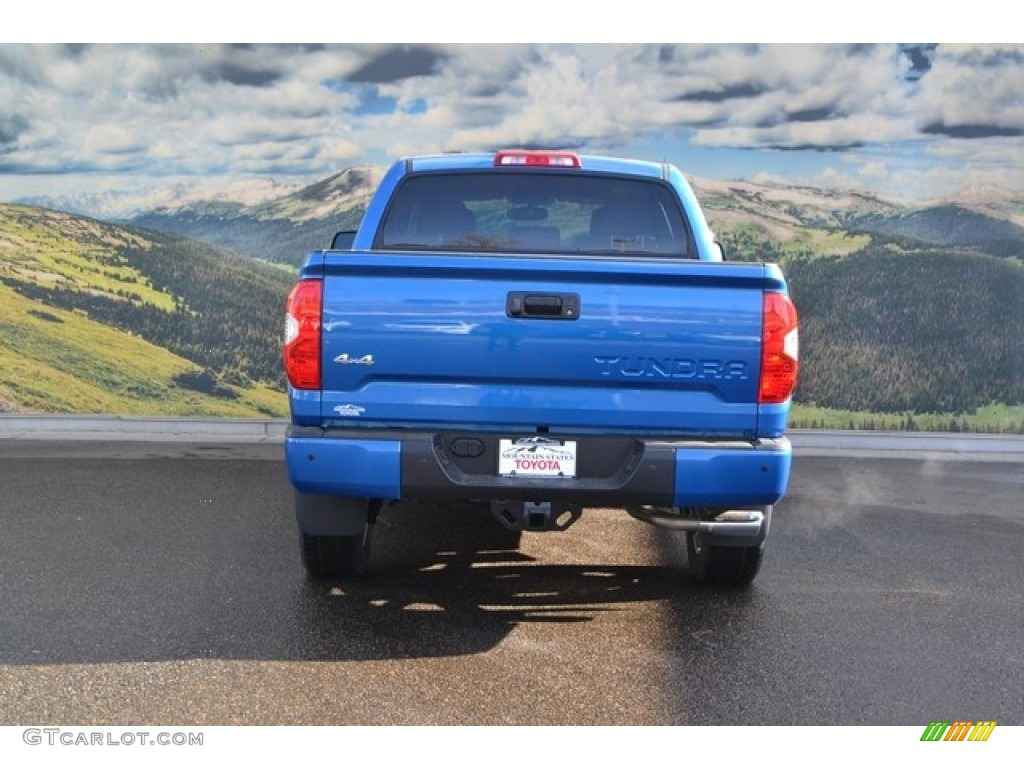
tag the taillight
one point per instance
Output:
(302, 335)
(780, 349)
(537, 157)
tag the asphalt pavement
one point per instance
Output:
(155, 579)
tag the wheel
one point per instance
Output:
(334, 534)
(334, 556)
(722, 566)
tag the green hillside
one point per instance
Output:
(921, 331)
(105, 319)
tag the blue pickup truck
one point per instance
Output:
(539, 332)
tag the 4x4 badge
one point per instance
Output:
(345, 359)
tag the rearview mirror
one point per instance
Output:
(343, 240)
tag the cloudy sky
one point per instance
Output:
(915, 120)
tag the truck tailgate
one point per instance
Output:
(630, 345)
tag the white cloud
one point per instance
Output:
(974, 86)
(875, 169)
(160, 110)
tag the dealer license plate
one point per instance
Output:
(537, 457)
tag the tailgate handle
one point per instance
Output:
(549, 306)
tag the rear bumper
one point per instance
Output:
(612, 471)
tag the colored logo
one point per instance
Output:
(958, 730)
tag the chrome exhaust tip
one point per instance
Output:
(732, 527)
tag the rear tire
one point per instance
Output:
(335, 556)
(335, 533)
(722, 566)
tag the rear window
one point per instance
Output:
(535, 212)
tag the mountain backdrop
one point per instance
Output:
(283, 229)
(906, 308)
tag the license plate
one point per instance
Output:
(537, 457)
